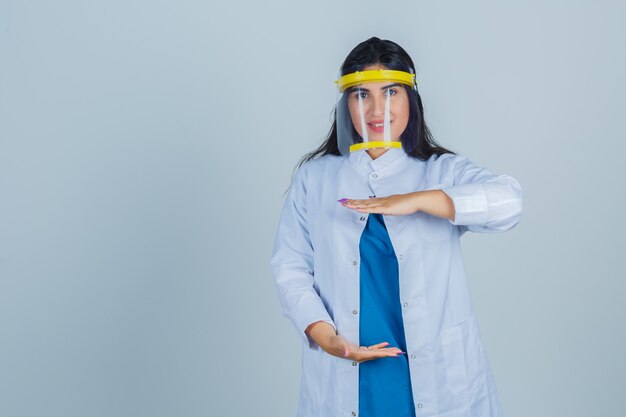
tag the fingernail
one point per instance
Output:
(343, 200)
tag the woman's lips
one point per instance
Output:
(377, 126)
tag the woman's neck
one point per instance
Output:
(376, 152)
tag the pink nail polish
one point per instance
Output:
(343, 200)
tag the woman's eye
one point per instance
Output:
(391, 92)
(361, 94)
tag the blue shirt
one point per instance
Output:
(384, 383)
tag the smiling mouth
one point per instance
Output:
(377, 127)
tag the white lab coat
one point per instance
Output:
(316, 265)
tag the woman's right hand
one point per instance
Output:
(338, 346)
(332, 343)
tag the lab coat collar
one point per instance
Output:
(390, 158)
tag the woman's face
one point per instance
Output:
(374, 97)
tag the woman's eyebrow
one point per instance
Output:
(390, 85)
(382, 88)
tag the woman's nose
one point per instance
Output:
(378, 106)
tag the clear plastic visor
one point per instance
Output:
(371, 115)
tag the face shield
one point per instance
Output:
(372, 109)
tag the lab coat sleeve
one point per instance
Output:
(483, 202)
(292, 263)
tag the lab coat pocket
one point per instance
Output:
(454, 357)
(463, 356)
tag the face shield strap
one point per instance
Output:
(376, 144)
(387, 122)
(363, 124)
(358, 77)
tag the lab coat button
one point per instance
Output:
(405, 305)
(362, 218)
(354, 263)
(419, 405)
(413, 356)
(354, 312)
(353, 413)
(353, 363)
(374, 175)
(401, 257)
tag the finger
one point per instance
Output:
(388, 352)
(394, 351)
(380, 350)
(378, 345)
(352, 204)
(366, 207)
(360, 203)
(369, 203)
(365, 210)
(378, 209)
(376, 354)
(391, 348)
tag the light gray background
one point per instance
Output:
(145, 147)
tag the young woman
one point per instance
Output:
(367, 257)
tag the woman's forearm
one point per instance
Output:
(321, 332)
(434, 202)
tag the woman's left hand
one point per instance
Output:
(396, 204)
(434, 202)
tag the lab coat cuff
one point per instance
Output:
(470, 204)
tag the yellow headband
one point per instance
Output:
(359, 77)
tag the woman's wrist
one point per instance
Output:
(434, 202)
(416, 200)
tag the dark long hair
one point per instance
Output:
(417, 141)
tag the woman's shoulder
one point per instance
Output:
(316, 170)
(444, 161)
(323, 163)
(442, 166)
